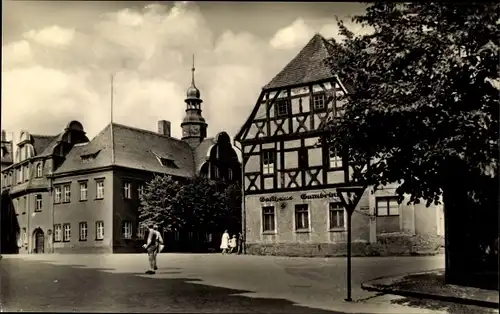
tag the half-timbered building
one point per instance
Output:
(291, 202)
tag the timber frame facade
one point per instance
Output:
(280, 144)
(290, 179)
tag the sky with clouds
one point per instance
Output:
(58, 57)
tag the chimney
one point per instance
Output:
(4, 136)
(164, 127)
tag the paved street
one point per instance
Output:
(198, 283)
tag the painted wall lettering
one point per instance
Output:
(319, 195)
(276, 198)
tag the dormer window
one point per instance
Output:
(166, 161)
(89, 157)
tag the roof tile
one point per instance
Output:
(40, 142)
(307, 66)
(133, 148)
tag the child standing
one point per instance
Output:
(232, 244)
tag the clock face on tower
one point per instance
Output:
(192, 130)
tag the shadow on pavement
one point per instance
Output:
(442, 306)
(36, 286)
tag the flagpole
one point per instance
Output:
(111, 123)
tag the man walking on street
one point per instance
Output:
(152, 246)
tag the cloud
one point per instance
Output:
(57, 74)
(51, 36)
(16, 53)
(292, 36)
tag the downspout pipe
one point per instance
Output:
(243, 205)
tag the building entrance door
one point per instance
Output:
(39, 241)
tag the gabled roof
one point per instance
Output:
(307, 66)
(133, 148)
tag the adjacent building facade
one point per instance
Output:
(71, 194)
(290, 179)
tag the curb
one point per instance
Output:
(423, 295)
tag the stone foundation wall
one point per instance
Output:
(390, 244)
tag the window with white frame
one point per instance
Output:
(39, 171)
(127, 190)
(337, 216)
(100, 189)
(141, 231)
(387, 206)
(140, 190)
(268, 158)
(99, 230)
(268, 219)
(57, 194)
(57, 233)
(319, 102)
(66, 232)
(66, 193)
(84, 191)
(38, 202)
(282, 107)
(301, 217)
(127, 230)
(83, 231)
(335, 159)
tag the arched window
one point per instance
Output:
(39, 170)
(215, 173)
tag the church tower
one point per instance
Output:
(194, 127)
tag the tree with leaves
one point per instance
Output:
(159, 204)
(424, 110)
(198, 204)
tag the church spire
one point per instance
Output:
(193, 92)
(192, 73)
(194, 127)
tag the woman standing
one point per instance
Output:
(224, 242)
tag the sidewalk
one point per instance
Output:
(430, 285)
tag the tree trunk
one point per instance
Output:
(470, 233)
